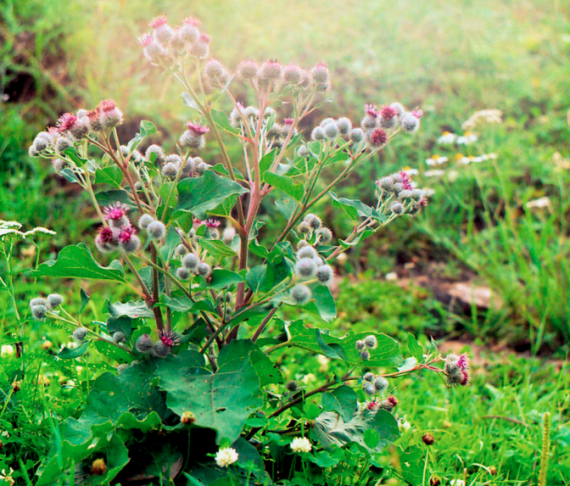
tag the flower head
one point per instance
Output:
(145, 39)
(106, 235)
(107, 106)
(418, 113)
(388, 112)
(168, 338)
(196, 128)
(191, 21)
(158, 21)
(204, 38)
(211, 223)
(66, 122)
(127, 233)
(301, 444)
(371, 110)
(406, 181)
(226, 457)
(116, 211)
(378, 138)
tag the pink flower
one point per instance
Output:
(463, 361)
(418, 113)
(145, 40)
(66, 122)
(406, 181)
(288, 121)
(116, 211)
(198, 222)
(388, 112)
(378, 137)
(126, 234)
(158, 21)
(106, 235)
(107, 105)
(371, 110)
(192, 21)
(168, 338)
(197, 129)
(211, 223)
(204, 38)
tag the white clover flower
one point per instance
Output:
(392, 276)
(7, 350)
(467, 138)
(226, 457)
(434, 173)
(301, 444)
(447, 138)
(430, 161)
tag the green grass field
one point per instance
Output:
(451, 59)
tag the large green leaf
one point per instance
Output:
(127, 401)
(322, 302)
(221, 401)
(111, 175)
(261, 278)
(107, 198)
(331, 430)
(198, 195)
(76, 261)
(387, 353)
(217, 248)
(342, 400)
(71, 353)
(353, 207)
(284, 183)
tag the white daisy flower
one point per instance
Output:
(434, 173)
(447, 138)
(542, 202)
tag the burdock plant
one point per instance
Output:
(201, 330)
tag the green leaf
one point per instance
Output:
(387, 352)
(223, 278)
(284, 183)
(130, 309)
(189, 101)
(322, 302)
(222, 121)
(147, 128)
(76, 261)
(67, 353)
(179, 302)
(266, 370)
(331, 430)
(352, 207)
(73, 155)
(286, 206)
(221, 401)
(111, 175)
(412, 463)
(415, 349)
(198, 195)
(342, 400)
(113, 352)
(217, 248)
(122, 324)
(260, 278)
(84, 300)
(106, 198)
(371, 438)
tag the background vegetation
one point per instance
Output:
(449, 58)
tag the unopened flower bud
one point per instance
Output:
(313, 221)
(344, 126)
(397, 208)
(79, 334)
(369, 389)
(204, 269)
(169, 170)
(144, 344)
(324, 274)
(119, 337)
(368, 376)
(370, 342)
(410, 123)
(324, 235)
(292, 74)
(365, 355)
(307, 252)
(62, 144)
(389, 404)
(191, 261)
(161, 350)
(248, 70)
(359, 345)
(269, 71)
(381, 384)
(320, 74)
(304, 228)
(201, 48)
(39, 312)
(156, 230)
(400, 110)
(215, 73)
(305, 268)
(183, 273)
(369, 123)
(110, 116)
(38, 301)
(145, 220)
(303, 151)
(54, 300)
(318, 134)
(122, 368)
(357, 135)
(300, 294)
(292, 386)
(155, 152)
(331, 131)
(181, 250)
